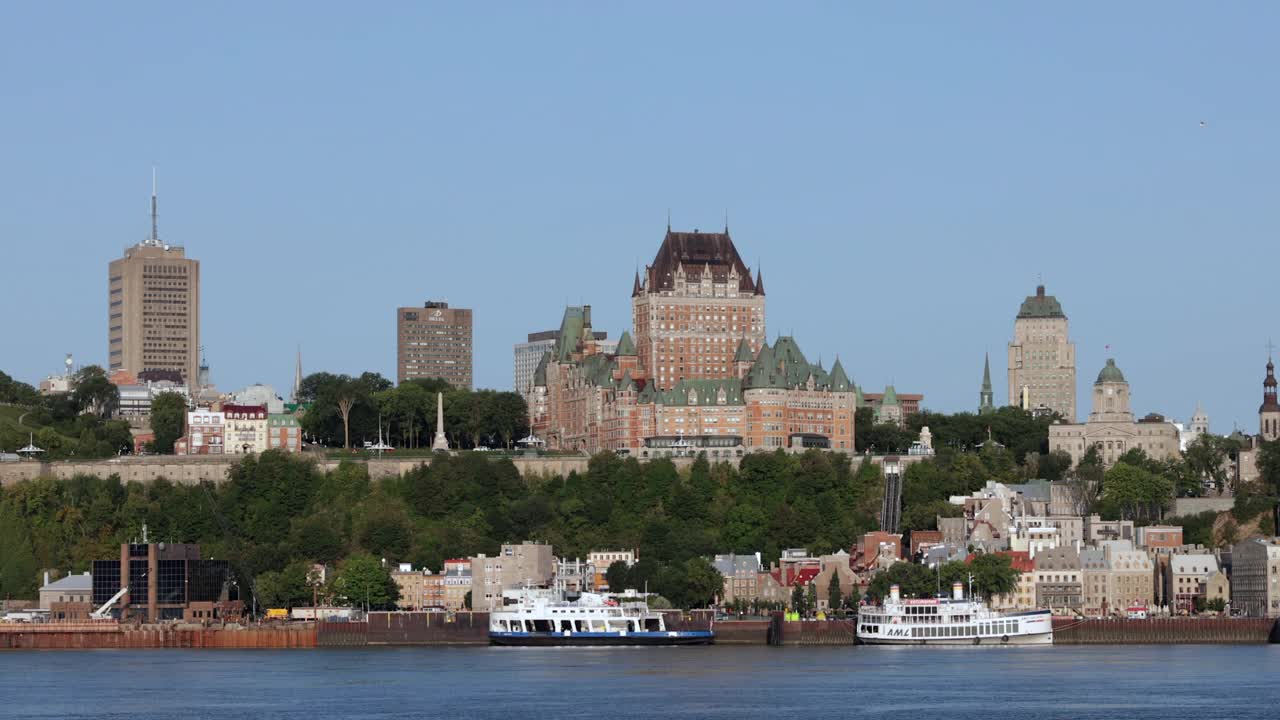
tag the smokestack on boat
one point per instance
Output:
(957, 591)
(894, 593)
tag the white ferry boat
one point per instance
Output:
(544, 617)
(950, 621)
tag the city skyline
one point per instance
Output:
(898, 220)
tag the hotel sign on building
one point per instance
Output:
(434, 341)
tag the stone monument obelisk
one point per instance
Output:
(440, 443)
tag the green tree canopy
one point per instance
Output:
(168, 420)
(1135, 492)
(93, 393)
(286, 588)
(363, 581)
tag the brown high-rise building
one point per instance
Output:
(434, 341)
(695, 304)
(153, 308)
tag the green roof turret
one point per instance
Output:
(626, 346)
(1110, 373)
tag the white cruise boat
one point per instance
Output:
(543, 617)
(950, 621)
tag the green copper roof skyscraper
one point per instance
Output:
(1042, 358)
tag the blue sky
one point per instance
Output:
(903, 172)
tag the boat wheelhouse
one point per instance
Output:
(950, 621)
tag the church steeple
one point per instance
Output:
(297, 377)
(1269, 412)
(986, 403)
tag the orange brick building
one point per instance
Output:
(699, 375)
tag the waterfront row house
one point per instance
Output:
(246, 428)
(1191, 578)
(206, 433)
(455, 581)
(527, 564)
(419, 589)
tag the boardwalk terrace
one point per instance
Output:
(698, 375)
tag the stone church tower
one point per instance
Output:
(1269, 412)
(986, 399)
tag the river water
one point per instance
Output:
(961, 683)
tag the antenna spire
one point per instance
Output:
(155, 213)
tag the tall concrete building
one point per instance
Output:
(153, 308)
(434, 341)
(527, 356)
(1042, 358)
(695, 305)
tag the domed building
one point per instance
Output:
(1112, 427)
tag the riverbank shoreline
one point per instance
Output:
(471, 630)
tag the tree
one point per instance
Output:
(93, 393)
(168, 420)
(17, 559)
(835, 596)
(1206, 459)
(1085, 482)
(286, 588)
(362, 581)
(1216, 605)
(913, 581)
(616, 576)
(1053, 466)
(17, 393)
(797, 599)
(745, 528)
(811, 597)
(1137, 493)
(316, 538)
(385, 530)
(1269, 466)
(993, 574)
(510, 416)
(347, 396)
(702, 583)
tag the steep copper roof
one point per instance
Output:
(697, 252)
(1041, 306)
